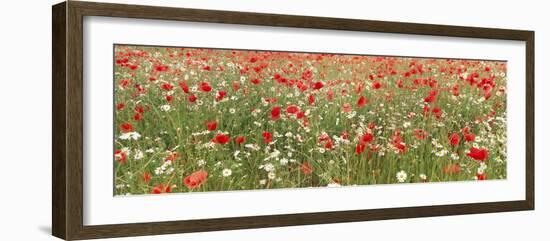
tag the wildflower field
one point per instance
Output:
(195, 120)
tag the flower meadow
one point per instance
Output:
(197, 120)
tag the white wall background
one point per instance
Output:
(25, 119)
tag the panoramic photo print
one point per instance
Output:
(202, 120)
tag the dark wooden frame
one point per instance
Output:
(67, 121)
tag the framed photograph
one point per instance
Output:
(171, 120)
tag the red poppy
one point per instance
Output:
(124, 83)
(328, 144)
(400, 146)
(221, 94)
(366, 138)
(371, 125)
(455, 90)
(397, 142)
(346, 107)
(184, 87)
(478, 154)
(122, 62)
(146, 177)
(307, 75)
(311, 99)
(300, 115)
(267, 137)
(139, 109)
(452, 169)
(454, 139)
(236, 85)
(160, 68)
(195, 179)
(126, 127)
(192, 98)
(120, 106)
(318, 85)
(292, 109)
(306, 168)
(431, 97)
(376, 85)
(169, 98)
(282, 80)
(161, 189)
(221, 139)
(469, 137)
(276, 113)
(330, 95)
(211, 125)
(400, 83)
(137, 117)
(420, 134)
(120, 156)
(167, 86)
(239, 139)
(362, 101)
(255, 81)
(437, 112)
(481, 176)
(302, 87)
(324, 137)
(359, 148)
(139, 88)
(205, 87)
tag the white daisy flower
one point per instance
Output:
(138, 155)
(226, 172)
(401, 176)
(165, 108)
(201, 162)
(423, 176)
(269, 167)
(455, 156)
(129, 136)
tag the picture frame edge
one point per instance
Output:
(67, 119)
(59, 192)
